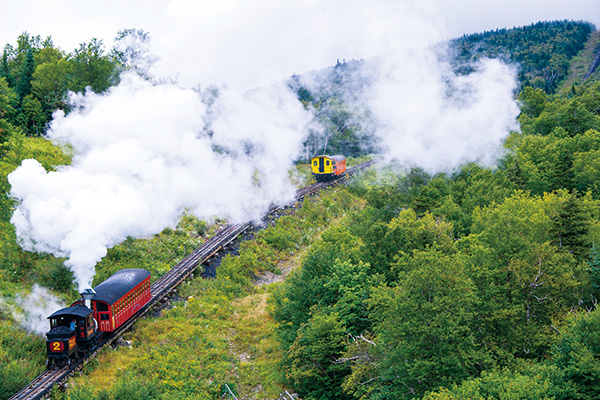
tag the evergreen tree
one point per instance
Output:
(27, 70)
(570, 227)
(32, 115)
(5, 71)
(594, 270)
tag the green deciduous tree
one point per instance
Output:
(525, 284)
(383, 242)
(577, 354)
(532, 101)
(50, 83)
(556, 161)
(316, 370)
(292, 304)
(546, 383)
(424, 330)
(92, 67)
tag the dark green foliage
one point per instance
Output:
(40, 76)
(26, 73)
(92, 67)
(531, 382)
(315, 369)
(575, 112)
(545, 163)
(425, 327)
(570, 227)
(594, 271)
(523, 281)
(5, 70)
(293, 303)
(577, 353)
(440, 311)
(403, 234)
(543, 50)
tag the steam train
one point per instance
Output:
(325, 168)
(75, 330)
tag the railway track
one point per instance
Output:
(40, 387)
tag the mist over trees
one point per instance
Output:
(480, 283)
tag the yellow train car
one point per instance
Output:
(325, 168)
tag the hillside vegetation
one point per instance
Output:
(480, 284)
(543, 50)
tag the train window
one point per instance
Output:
(101, 306)
(315, 163)
(103, 317)
(327, 162)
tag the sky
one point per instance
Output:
(246, 44)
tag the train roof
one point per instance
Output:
(118, 284)
(78, 311)
(337, 157)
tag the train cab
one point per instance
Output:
(326, 168)
(119, 297)
(69, 327)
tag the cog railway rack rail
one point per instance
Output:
(40, 387)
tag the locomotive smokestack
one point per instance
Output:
(87, 295)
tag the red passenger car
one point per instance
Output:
(119, 297)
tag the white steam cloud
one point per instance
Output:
(143, 156)
(418, 112)
(144, 153)
(429, 117)
(31, 311)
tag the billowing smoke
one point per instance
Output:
(32, 310)
(417, 112)
(430, 117)
(144, 154)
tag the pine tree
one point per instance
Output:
(570, 227)
(24, 79)
(594, 270)
(5, 67)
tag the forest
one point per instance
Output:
(477, 284)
